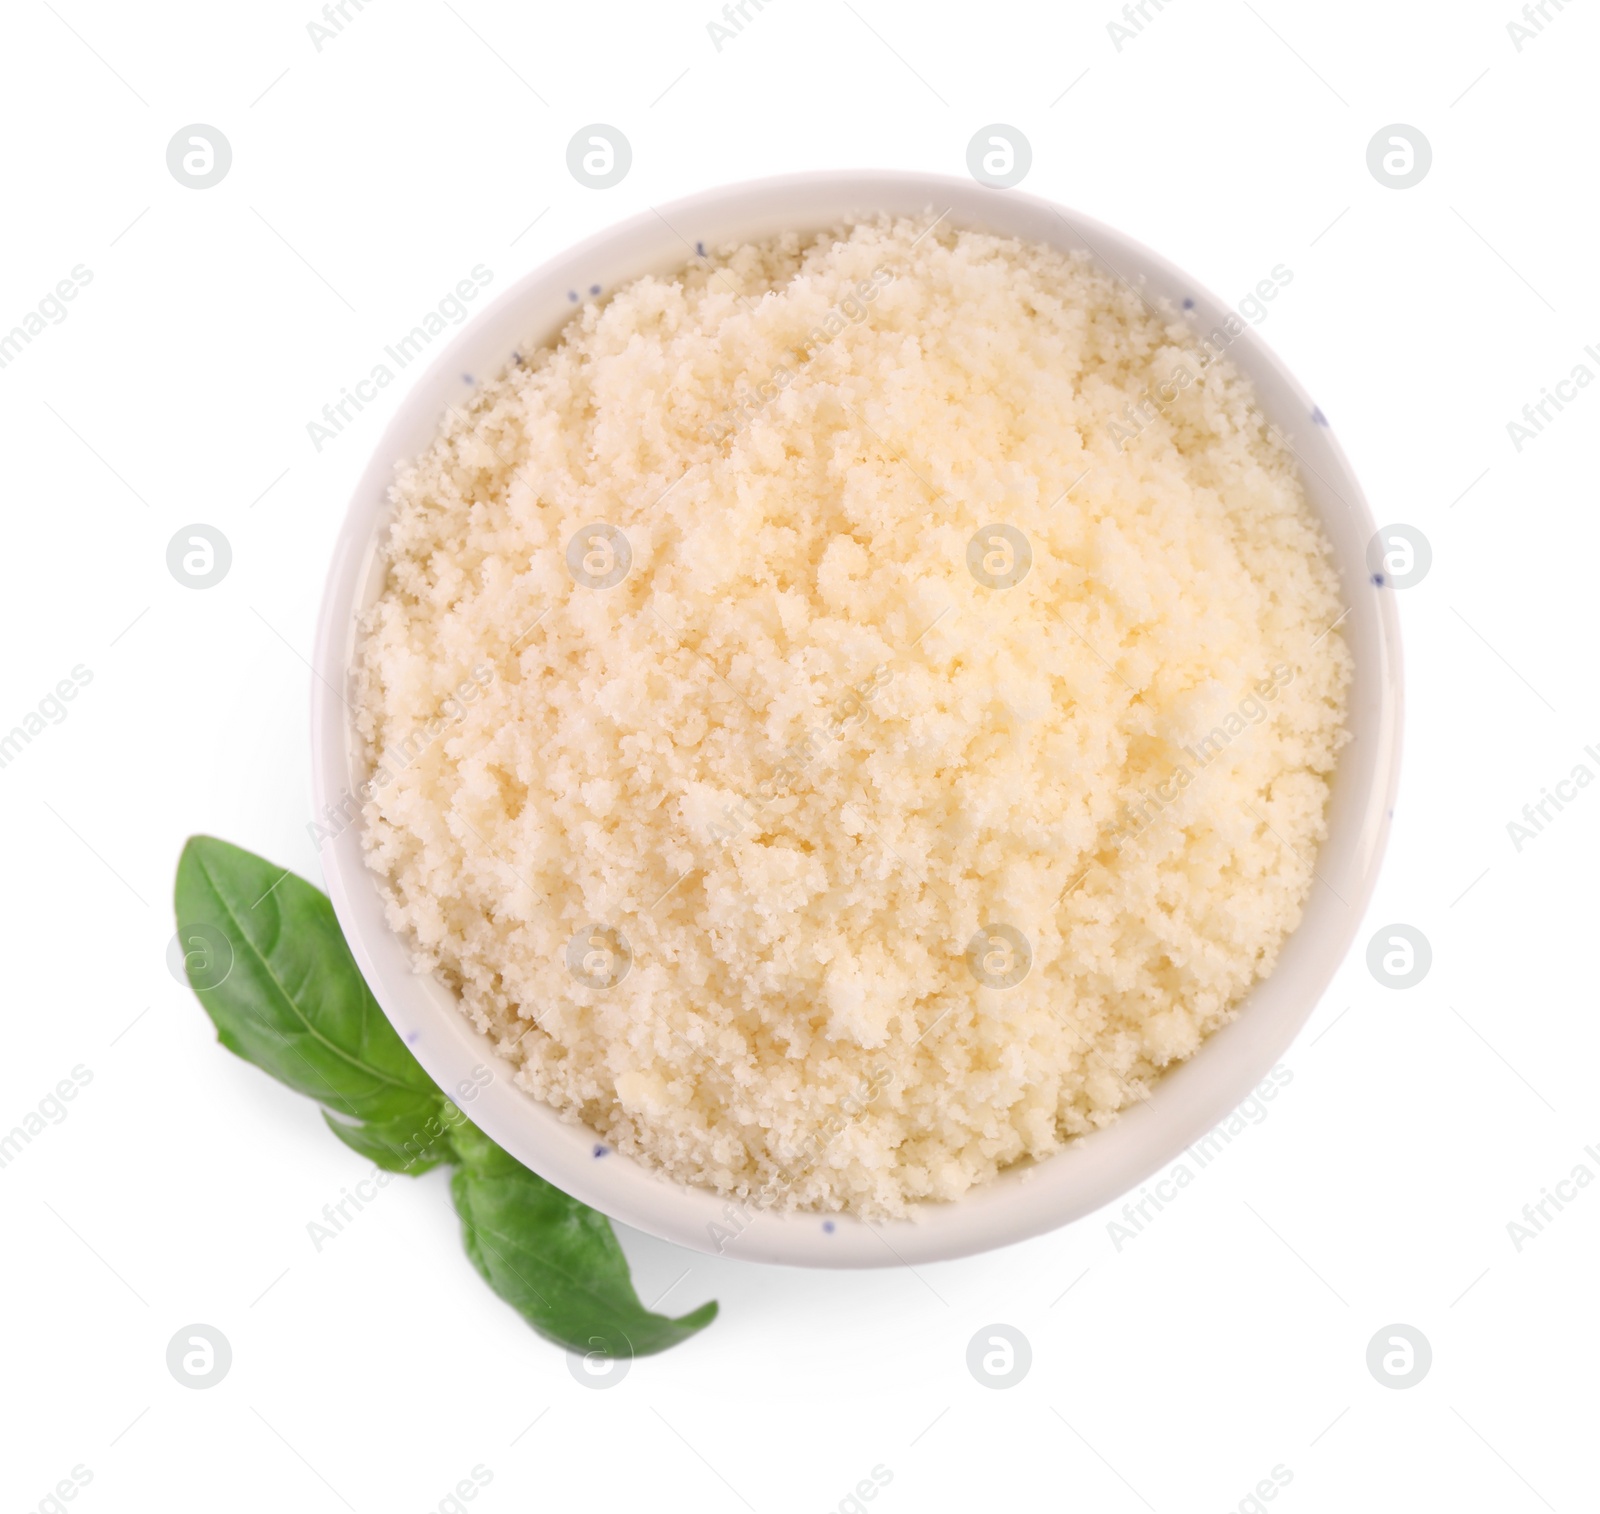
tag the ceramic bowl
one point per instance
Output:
(1189, 1099)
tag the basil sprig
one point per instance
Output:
(266, 959)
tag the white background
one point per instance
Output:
(367, 179)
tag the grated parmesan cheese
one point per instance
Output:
(847, 849)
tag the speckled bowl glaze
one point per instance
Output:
(1187, 1101)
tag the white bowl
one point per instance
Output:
(1188, 1100)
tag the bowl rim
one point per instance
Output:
(1187, 1101)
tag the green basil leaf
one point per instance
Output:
(401, 1145)
(266, 959)
(554, 1260)
(291, 999)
